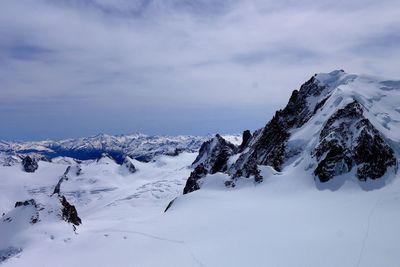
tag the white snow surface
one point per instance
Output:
(285, 221)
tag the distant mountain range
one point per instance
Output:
(137, 146)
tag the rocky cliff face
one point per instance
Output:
(193, 183)
(214, 154)
(213, 157)
(268, 146)
(69, 213)
(349, 139)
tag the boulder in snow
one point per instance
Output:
(129, 165)
(30, 164)
(69, 212)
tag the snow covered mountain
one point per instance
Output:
(317, 186)
(138, 146)
(337, 124)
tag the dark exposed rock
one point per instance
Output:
(372, 153)
(246, 138)
(349, 139)
(78, 170)
(30, 164)
(270, 150)
(192, 183)
(144, 158)
(30, 202)
(9, 252)
(214, 154)
(58, 185)
(336, 162)
(250, 168)
(268, 145)
(169, 205)
(7, 219)
(230, 184)
(320, 104)
(69, 213)
(129, 165)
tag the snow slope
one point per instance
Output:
(283, 221)
(104, 194)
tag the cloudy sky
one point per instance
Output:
(80, 67)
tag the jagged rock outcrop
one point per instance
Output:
(129, 165)
(28, 202)
(372, 155)
(69, 212)
(213, 157)
(249, 169)
(29, 164)
(193, 183)
(34, 218)
(9, 252)
(268, 145)
(57, 188)
(349, 139)
(214, 154)
(246, 138)
(169, 205)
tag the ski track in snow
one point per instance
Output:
(180, 242)
(368, 227)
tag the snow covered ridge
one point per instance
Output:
(336, 127)
(137, 146)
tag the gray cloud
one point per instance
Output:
(177, 66)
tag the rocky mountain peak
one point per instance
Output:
(326, 124)
(349, 139)
(214, 154)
